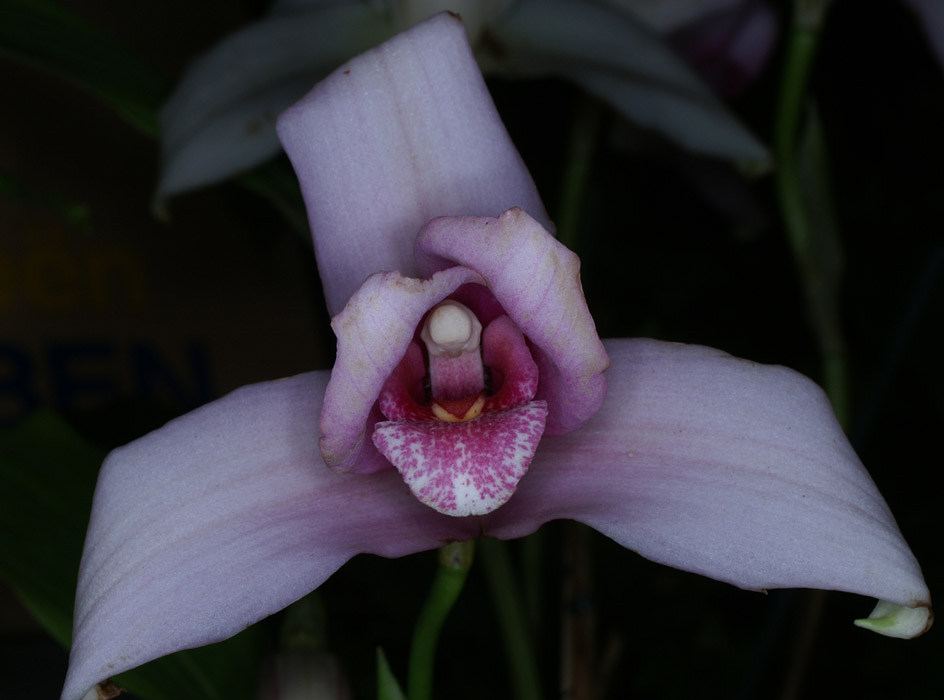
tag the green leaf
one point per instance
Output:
(225, 671)
(72, 212)
(387, 686)
(48, 474)
(48, 36)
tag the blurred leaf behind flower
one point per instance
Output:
(46, 35)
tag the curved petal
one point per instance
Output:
(621, 62)
(723, 467)
(419, 138)
(537, 281)
(221, 518)
(374, 331)
(220, 120)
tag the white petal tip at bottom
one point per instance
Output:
(893, 620)
(467, 468)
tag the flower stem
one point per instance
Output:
(805, 201)
(579, 670)
(455, 560)
(532, 580)
(800, 52)
(580, 150)
(511, 619)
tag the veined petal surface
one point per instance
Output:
(220, 120)
(421, 139)
(537, 281)
(222, 517)
(723, 467)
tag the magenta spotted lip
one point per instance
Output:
(464, 468)
(463, 444)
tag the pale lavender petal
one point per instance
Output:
(392, 139)
(221, 518)
(374, 331)
(537, 281)
(466, 468)
(723, 467)
(220, 119)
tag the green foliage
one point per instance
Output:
(48, 473)
(387, 686)
(44, 34)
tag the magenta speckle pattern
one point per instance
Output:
(466, 468)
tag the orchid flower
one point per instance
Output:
(220, 119)
(434, 251)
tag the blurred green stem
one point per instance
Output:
(455, 560)
(532, 579)
(800, 52)
(511, 619)
(580, 149)
(817, 257)
(580, 677)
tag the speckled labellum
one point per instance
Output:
(463, 449)
(465, 403)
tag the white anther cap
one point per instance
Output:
(451, 329)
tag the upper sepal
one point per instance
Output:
(421, 138)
